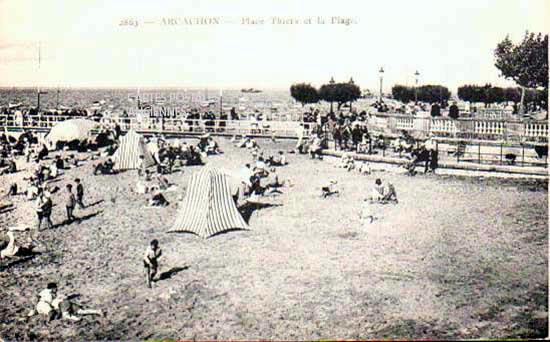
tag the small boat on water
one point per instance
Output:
(250, 90)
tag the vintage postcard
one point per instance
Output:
(273, 170)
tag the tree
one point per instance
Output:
(327, 93)
(426, 93)
(346, 92)
(304, 93)
(433, 93)
(339, 93)
(525, 63)
(402, 93)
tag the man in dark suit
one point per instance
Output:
(453, 111)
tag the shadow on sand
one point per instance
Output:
(77, 220)
(19, 260)
(94, 204)
(171, 272)
(249, 208)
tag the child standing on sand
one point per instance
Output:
(79, 193)
(70, 204)
(150, 260)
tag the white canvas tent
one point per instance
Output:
(131, 147)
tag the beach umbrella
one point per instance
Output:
(70, 130)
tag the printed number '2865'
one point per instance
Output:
(128, 22)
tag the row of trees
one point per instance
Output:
(341, 93)
(425, 93)
(489, 94)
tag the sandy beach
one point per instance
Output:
(458, 257)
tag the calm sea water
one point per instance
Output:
(120, 97)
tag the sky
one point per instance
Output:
(84, 44)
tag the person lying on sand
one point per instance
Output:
(54, 306)
(71, 311)
(17, 248)
(329, 189)
(150, 261)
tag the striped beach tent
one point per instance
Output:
(132, 145)
(208, 207)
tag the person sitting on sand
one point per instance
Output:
(44, 305)
(213, 147)
(157, 198)
(347, 162)
(163, 182)
(59, 163)
(389, 192)
(12, 190)
(383, 192)
(377, 192)
(278, 160)
(260, 169)
(243, 142)
(104, 168)
(315, 147)
(364, 168)
(150, 261)
(11, 167)
(245, 175)
(42, 153)
(251, 144)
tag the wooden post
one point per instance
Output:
(522, 154)
(457, 152)
(500, 153)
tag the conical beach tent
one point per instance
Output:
(208, 207)
(69, 130)
(132, 146)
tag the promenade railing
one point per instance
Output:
(529, 131)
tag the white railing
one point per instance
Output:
(382, 123)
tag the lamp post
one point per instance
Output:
(416, 74)
(381, 71)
